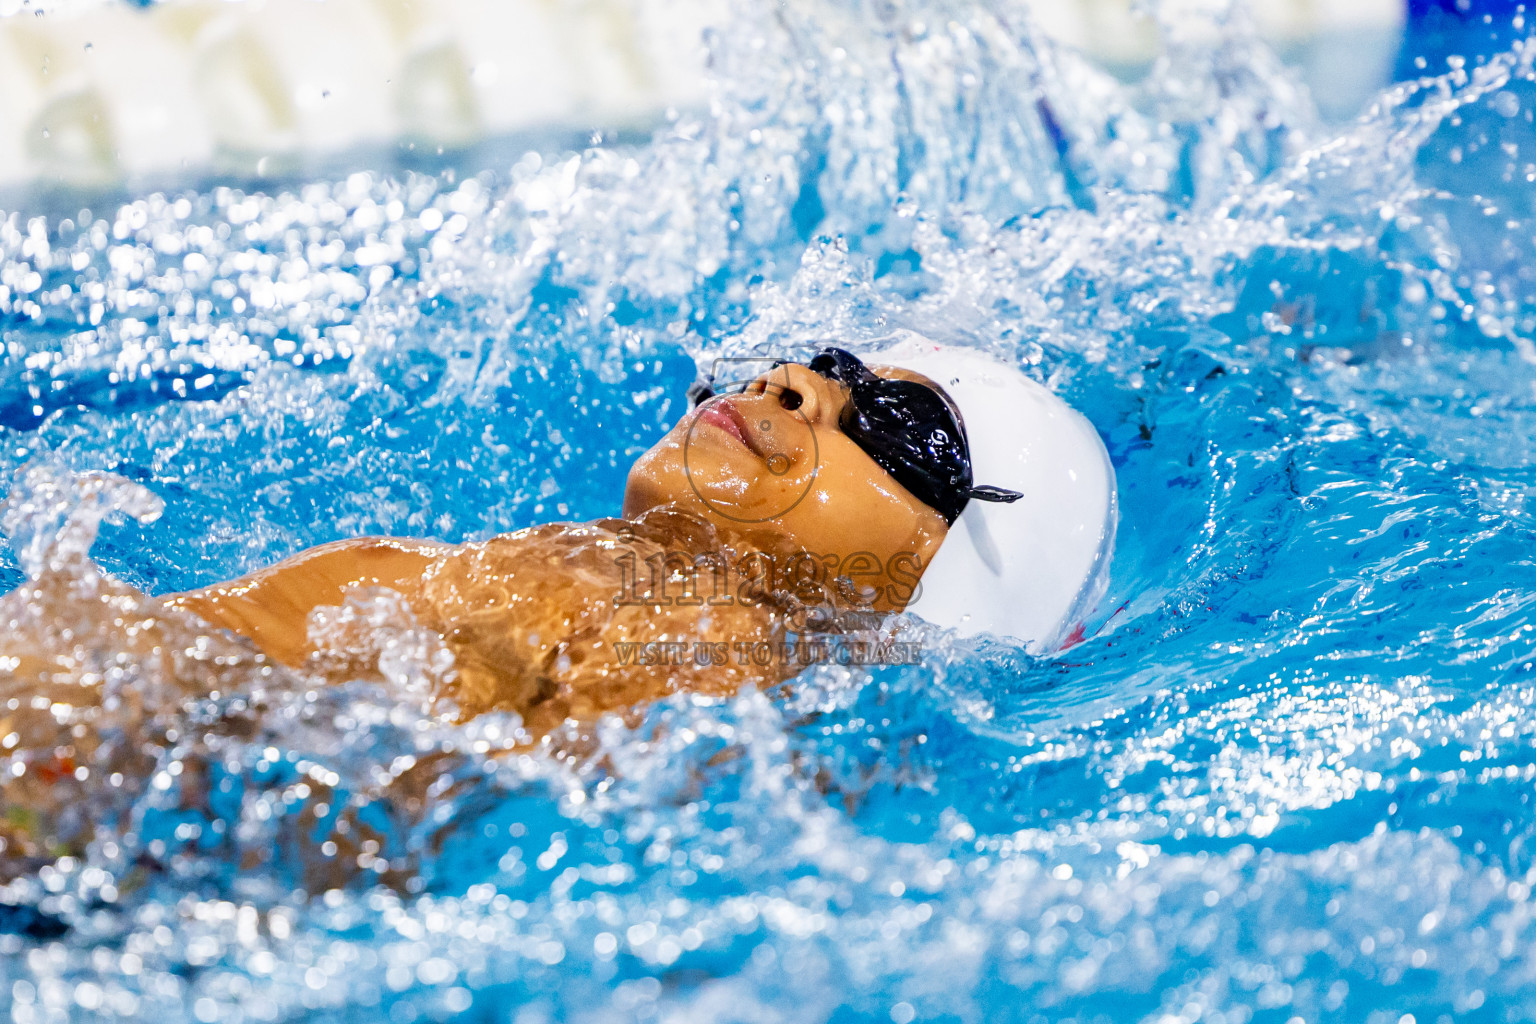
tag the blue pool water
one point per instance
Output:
(1290, 779)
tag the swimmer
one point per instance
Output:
(821, 498)
(821, 491)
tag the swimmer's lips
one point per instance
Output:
(726, 418)
(722, 416)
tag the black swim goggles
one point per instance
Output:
(911, 430)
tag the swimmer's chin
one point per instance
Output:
(719, 471)
(711, 451)
(648, 496)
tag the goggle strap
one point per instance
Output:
(993, 494)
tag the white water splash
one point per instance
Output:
(52, 516)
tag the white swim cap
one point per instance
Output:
(1035, 568)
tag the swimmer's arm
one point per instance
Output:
(271, 606)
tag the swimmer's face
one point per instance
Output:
(773, 459)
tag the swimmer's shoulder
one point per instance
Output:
(270, 606)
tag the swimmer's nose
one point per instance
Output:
(798, 390)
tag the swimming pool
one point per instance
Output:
(1290, 778)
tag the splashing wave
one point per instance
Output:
(1289, 778)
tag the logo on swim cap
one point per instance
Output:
(796, 460)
